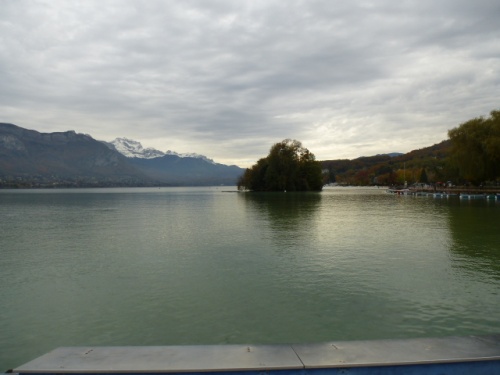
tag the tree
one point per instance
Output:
(288, 167)
(423, 177)
(475, 148)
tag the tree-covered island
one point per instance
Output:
(288, 167)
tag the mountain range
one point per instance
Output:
(68, 159)
(32, 159)
(134, 149)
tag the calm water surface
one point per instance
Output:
(177, 266)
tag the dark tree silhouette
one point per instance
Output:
(288, 167)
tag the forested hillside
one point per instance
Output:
(387, 170)
(471, 156)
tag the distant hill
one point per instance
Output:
(32, 159)
(394, 154)
(176, 169)
(388, 169)
(187, 170)
(66, 158)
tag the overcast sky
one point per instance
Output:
(228, 79)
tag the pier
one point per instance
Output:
(447, 193)
(452, 355)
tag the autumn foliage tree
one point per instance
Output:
(288, 167)
(476, 148)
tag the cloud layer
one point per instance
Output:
(229, 78)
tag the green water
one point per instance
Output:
(177, 266)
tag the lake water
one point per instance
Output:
(190, 266)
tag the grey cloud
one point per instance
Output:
(234, 77)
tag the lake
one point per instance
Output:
(175, 266)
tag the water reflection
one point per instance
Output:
(288, 207)
(287, 217)
(475, 248)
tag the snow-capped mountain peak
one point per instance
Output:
(190, 155)
(134, 149)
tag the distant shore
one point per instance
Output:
(458, 190)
